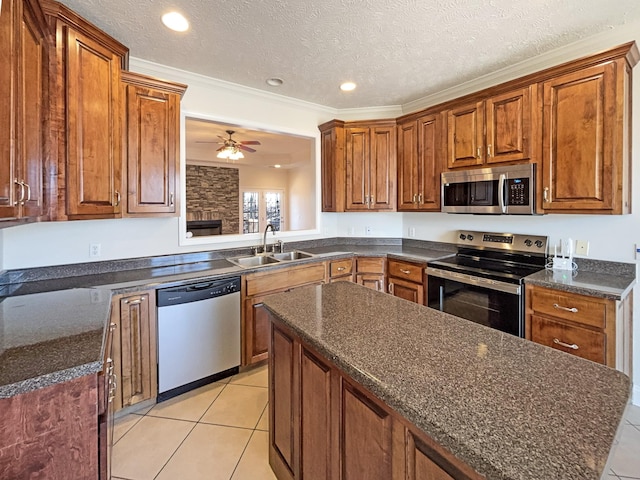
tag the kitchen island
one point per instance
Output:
(358, 374)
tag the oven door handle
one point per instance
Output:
(501, 200)
(476, 281)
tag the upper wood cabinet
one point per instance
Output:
(358, 166)
(420, 157)
(586, 143)
(23, 109)
(370, 166)
(498, 129)
(150, 144)
(85, 76)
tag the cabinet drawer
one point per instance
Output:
(340, 267)
(576, 308)
(370, 264)
(582, 342)
(269, 281)
(406, 271)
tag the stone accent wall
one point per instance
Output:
(213, 193)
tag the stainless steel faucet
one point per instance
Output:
(264, 240)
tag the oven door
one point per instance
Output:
(487, 302)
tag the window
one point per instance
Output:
(261, 208)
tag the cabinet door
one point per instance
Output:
(382, 176)
(357, 169)
(371, 280)
(137, 349)
(581, 154)
(430, 153)
(582, 342)
(509, 126)
(93, 129)
(414, 292)
(332, 167)
(408, 171)
(256, 331)
(152, 117)
(33, 104)
(465, 146)
(366, 433)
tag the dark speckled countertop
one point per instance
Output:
(51, 337)
(597, 284)
(508, 407)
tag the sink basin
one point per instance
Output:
(254, 261)
(292, 255)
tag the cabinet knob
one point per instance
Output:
(573, 346)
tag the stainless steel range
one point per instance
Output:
(483, 282)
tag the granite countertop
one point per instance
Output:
(596, 284)
(509, 408)
(51, 337)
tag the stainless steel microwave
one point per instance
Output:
(506, 190)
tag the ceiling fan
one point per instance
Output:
(231, 148)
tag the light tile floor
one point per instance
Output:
(220, 432)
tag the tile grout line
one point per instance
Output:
(242, 454)
(174, 452)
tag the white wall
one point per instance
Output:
(300, 198)
(68, 242)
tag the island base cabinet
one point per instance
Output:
(324, 425)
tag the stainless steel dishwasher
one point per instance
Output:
(198, 335)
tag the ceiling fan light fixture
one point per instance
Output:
(348, 86)
(274, 81)
(175, 21)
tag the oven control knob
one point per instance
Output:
(463, 236)
(469, 237)
(528, 242)
(539, 243)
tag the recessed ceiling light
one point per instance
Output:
(274, 81)
(276, 166)
(175, 21)
(347, 86)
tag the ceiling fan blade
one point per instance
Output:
(221, 148)
(246, 149)
(250, 142)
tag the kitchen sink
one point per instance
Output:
(254, 260)
(292, 255)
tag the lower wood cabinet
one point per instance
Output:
(597, 329)
(324, 425)
(135, 347)
(370, 272)
(255, 324)
(406, 280)
(340, 270)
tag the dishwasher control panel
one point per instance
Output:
(195, 292)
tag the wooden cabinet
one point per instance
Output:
(24, 104)
(597, 329)
(85, 71)
(370, 272)
(135, 348)
(255, 286)
(340, 270)
(332, 145)
(406, 280)
(327, 426)
(420, 157)
(498, 129)
(151, 144)
(585, 136)
(370, 166)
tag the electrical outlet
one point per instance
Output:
(412, 232)
(367, 230)
(352, 231)
(582, 247)
(95, 250)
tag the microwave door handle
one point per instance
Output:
(501, 200)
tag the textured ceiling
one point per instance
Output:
(396, 51)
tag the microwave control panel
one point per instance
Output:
(518, 191)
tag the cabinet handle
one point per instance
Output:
(419, 198)
(562, 344)
(113, 382)
(371, 201)
(134, 302)
(406, 272)
(415, 198)
(545, 194)
(566, 309)
(118, 198)
(489, 150)
(112, 327)
(171, 199)
(20, 201)
(479, 153)
(340, 269)
(391, 288)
